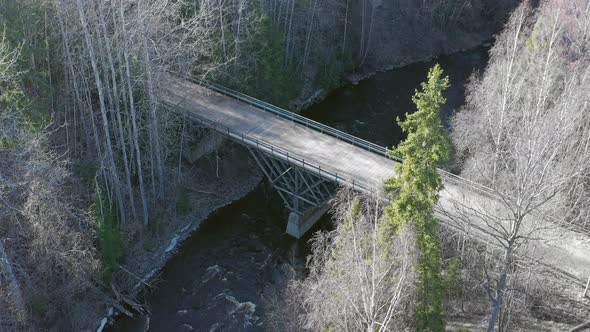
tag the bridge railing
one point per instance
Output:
(375, 148)
(298, 118)
(278, 152)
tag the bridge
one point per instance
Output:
(305, 161)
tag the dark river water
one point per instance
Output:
(225, 273)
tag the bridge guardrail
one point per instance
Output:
(331, 131)
(335, 133)
(278, 152)
(298, 118)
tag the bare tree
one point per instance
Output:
(126, 46)
(9, 131)
(356, 282)
(523, 134)
(46, 253)
(114, 175)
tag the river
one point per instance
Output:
(225, 273)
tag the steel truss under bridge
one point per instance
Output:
(304, 193)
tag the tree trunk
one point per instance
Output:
(134, 121)
(309, 32)
(288, 39)
(117, 110)
(154, 132)
(103, 111)
(12, 281)
(500, 290)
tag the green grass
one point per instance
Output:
(110, 243)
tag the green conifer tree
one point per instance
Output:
(415, 193)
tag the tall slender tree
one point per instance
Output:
(415, 190)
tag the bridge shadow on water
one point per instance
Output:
(225, 271)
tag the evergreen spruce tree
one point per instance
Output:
(415, 193)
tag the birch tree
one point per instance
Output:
(125, 47)
(353, 284)
(524, 135)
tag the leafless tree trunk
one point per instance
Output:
(345, 27)
(366, 37)
(117, 110)
(307, 48)
(110, 155)
(154, 127)
(133, 118)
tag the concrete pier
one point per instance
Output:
(298, 224)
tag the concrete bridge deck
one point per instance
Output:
(364, 166)
(261, 129)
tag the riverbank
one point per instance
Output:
(212, 182)
(225, 275)
(309, 99)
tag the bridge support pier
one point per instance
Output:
(307, 196)
(298, 225)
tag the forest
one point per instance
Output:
(98, 176)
